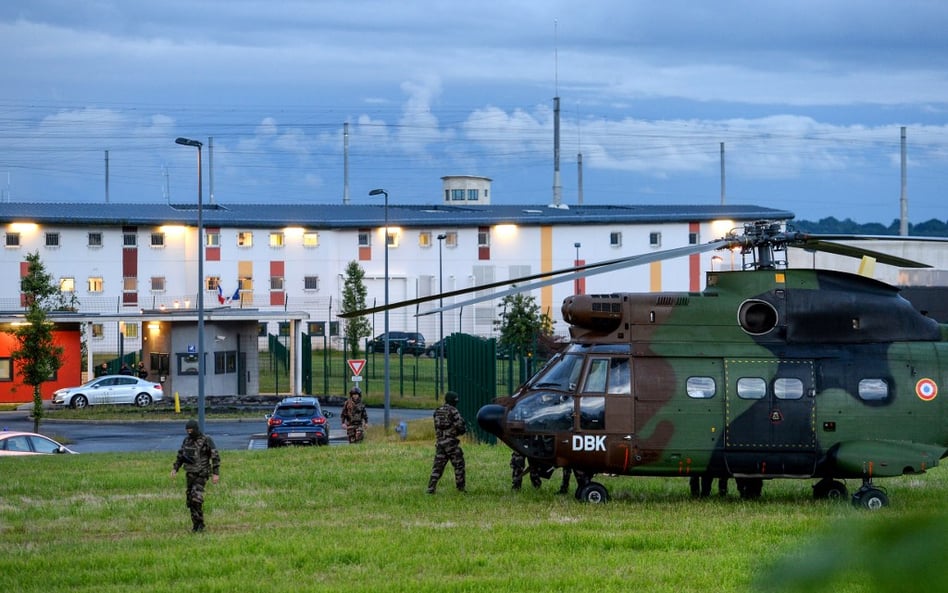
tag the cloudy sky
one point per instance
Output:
(808, 97)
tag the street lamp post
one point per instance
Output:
(388, 394)
(578, 284)
(200, 295)
(440, 389)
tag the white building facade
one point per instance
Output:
(126, 258)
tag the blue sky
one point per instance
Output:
(808, 98)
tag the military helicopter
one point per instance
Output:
(769, 372)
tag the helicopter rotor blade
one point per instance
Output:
(542, 279)
(828, 244)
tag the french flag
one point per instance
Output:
(220, 295)
(236, 296)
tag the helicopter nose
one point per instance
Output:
(490, 418)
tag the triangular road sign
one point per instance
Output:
(356, 364)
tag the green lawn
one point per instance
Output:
(356, 518)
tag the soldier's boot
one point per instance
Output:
(460, 486)
(431, 486)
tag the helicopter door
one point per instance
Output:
(606, 420)
(770, 416)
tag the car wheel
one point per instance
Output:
(142, 400)
(78, 402)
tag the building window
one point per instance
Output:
(655, 239)
(95, 284)
(451, 239)
(129, 239)
(212, 239)
(95, 239)
(245, 239)
(311, 283)
(392, 237)
(483, 237)
(157, 239)
(276, 282)
(52, 239)
(424, 239)
(67, 285)
(472, 195)
(693, 238)
(365, 239)
(212, 282)
(13, 239)
(187, 363)
(276, 239)
(457, 195)
(225, 362)
(129, 284)
(6, 369)
(157, 283)
(615, 239)
(98, 331)
(130, 330)
(311, 239)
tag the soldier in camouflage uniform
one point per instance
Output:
(354, 417)
(200, 459)
(518, 467)
(449, 426)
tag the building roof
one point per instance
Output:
(339, 216)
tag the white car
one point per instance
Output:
(29, 443)
(110, 389)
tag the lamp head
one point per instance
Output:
(188, 142)
(378, 192)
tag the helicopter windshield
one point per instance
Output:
(561, 373)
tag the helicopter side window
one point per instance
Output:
(788, 388)
(873, 389)
(751, 388)
(620, 381)
(596, 376)
(701, 387)
(592, 413)
(544, 411)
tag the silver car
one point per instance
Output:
(110, 389)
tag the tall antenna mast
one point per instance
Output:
(557, 186)
(345, 162)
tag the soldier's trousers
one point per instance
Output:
(518, 467)
(195, 499)
(444, 452)
(355, 433)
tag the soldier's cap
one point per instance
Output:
(355, 391)
(451, 397)
(192, 424)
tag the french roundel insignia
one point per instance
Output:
(926, 389)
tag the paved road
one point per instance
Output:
(99, 437)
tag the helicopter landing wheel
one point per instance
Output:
(829, 489)
(593, 492)
(871, 498)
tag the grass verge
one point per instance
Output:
(356, 518)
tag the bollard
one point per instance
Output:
(177, 403)
(402, 430)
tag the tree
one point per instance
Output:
(353, 299)
(523, 327)
(38, 357)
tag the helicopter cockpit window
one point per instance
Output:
(592, 413)
(751, 388)
(596, 376)
(561, 374)
(608, 375)
(620, 382)
(788, 388)
(873, 389)
(701, 387)
(544, 411)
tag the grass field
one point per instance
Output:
(356, 518)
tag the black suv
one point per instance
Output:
(297, 421)
(399, 343)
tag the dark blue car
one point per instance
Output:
(297, 421)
